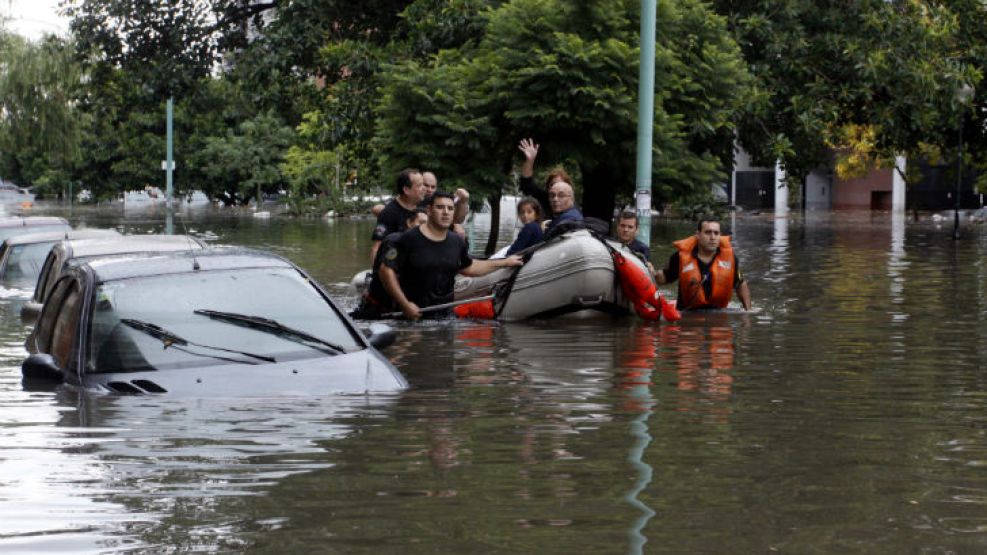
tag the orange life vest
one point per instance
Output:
(721, 270)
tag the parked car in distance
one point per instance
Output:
(21, 256)
(66, 253)
(217, 322)
(12, 226)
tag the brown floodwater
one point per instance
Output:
(847, 413)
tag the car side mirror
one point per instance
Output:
(41, 366)
(381, 336)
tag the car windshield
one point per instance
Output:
(24, 262)
(8, 232)
(169, 321)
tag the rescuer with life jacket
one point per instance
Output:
(707, 270)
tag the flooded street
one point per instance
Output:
(846, 414)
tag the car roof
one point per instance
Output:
(46, 236)
(126, 244)
(31, 221)
(206, 260)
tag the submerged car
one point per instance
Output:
(214, 323)
(21, 256)
(10, 227)
(67, 253)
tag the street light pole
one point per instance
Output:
(645, 118)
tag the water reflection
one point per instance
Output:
(637, 362)
(846, 415)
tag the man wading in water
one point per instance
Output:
(707, 270)
(419, 268)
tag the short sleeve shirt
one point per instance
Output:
(392, 219)
(427, 269)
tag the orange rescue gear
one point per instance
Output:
(480, 310)
(639, 288)
(721, 271)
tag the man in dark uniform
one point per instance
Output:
(419, 268)
(627, 226)
(410, 189)
(706, 269)
(375, 301)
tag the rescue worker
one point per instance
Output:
(410, 189)
(419, 268)
(707, 270)
(375, 301)
(462, 202)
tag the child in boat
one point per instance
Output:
(529, 212)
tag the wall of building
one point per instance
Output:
(872, 191)
(818, 190)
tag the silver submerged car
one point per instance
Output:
(225, 322)
(21, 256)
(68, 253)
(10, 227)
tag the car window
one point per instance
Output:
(169, 303)
(24, 261)
(45, 277)
(66, 325)
(57, 267)
(50, 314)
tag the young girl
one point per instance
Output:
(529, 212)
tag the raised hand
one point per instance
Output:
(530, 150)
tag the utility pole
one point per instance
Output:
(645, 119)
(169, 165)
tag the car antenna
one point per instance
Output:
(191, 250)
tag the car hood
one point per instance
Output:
(359, 372)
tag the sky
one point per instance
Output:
(33, 18)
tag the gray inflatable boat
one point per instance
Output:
(572, 272)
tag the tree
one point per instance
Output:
(39, 128)
(869, 79)
(565, 72)
(247, 162)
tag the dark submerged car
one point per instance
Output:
(67, 253)
(223, 322)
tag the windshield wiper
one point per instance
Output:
(272, 326)
(170, 338)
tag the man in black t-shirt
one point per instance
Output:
(419, 268)
(375, 301)
(410, 188)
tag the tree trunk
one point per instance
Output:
(494, 200)
(599, 193)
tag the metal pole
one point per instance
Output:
(959, 181)
(645, 118)
(169, 163)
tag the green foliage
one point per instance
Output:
(247, 161)
(824, 68)
(566, 74)
(39, 129)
